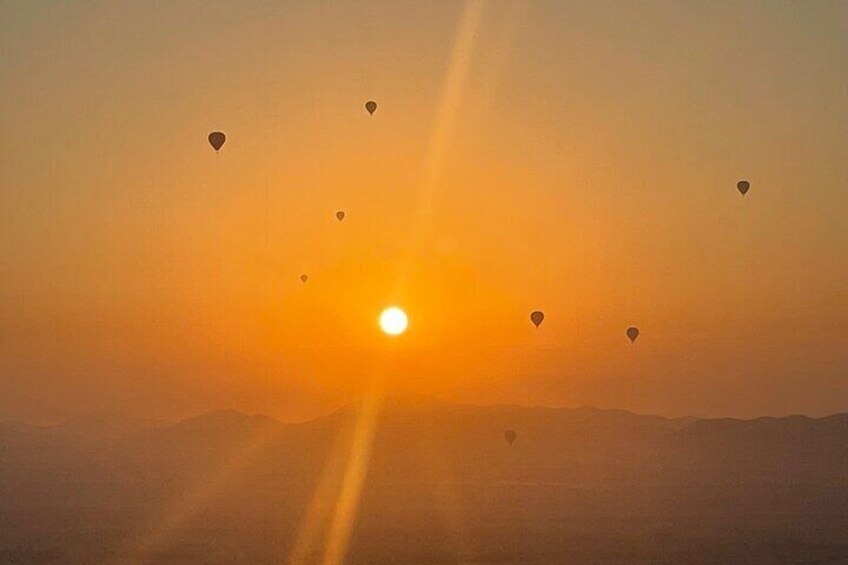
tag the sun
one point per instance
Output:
(393, 321)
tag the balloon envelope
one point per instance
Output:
(537, 317)
(743, 186)
(303, 278)
(632, 333)
(340, 215)
(217, 139)
(371, 106)
(510, 436)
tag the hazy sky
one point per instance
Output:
(575, 157)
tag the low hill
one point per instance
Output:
(442, 485)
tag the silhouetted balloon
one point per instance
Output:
(632, 333)
(371, 106)
(510, 436)
(303, 278)
(340, 215)
(537, 317)
(743, 186)
(217, 139)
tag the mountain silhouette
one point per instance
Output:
(442, 486)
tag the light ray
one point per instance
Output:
(353, 479)
(158, 535)
(451, 98)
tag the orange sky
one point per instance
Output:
(575, 157)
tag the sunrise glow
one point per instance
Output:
(393, 321)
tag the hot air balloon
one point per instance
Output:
(743, 186)
(510, 436)
(216, 140)
(632, 333)
(537, 317)
(340, 215)
(303, 278)
(371, 106)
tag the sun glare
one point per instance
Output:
(393, 321)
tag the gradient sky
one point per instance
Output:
(575, 157)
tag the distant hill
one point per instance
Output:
(442, 484)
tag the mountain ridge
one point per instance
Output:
(574, 481)
(390, 402)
